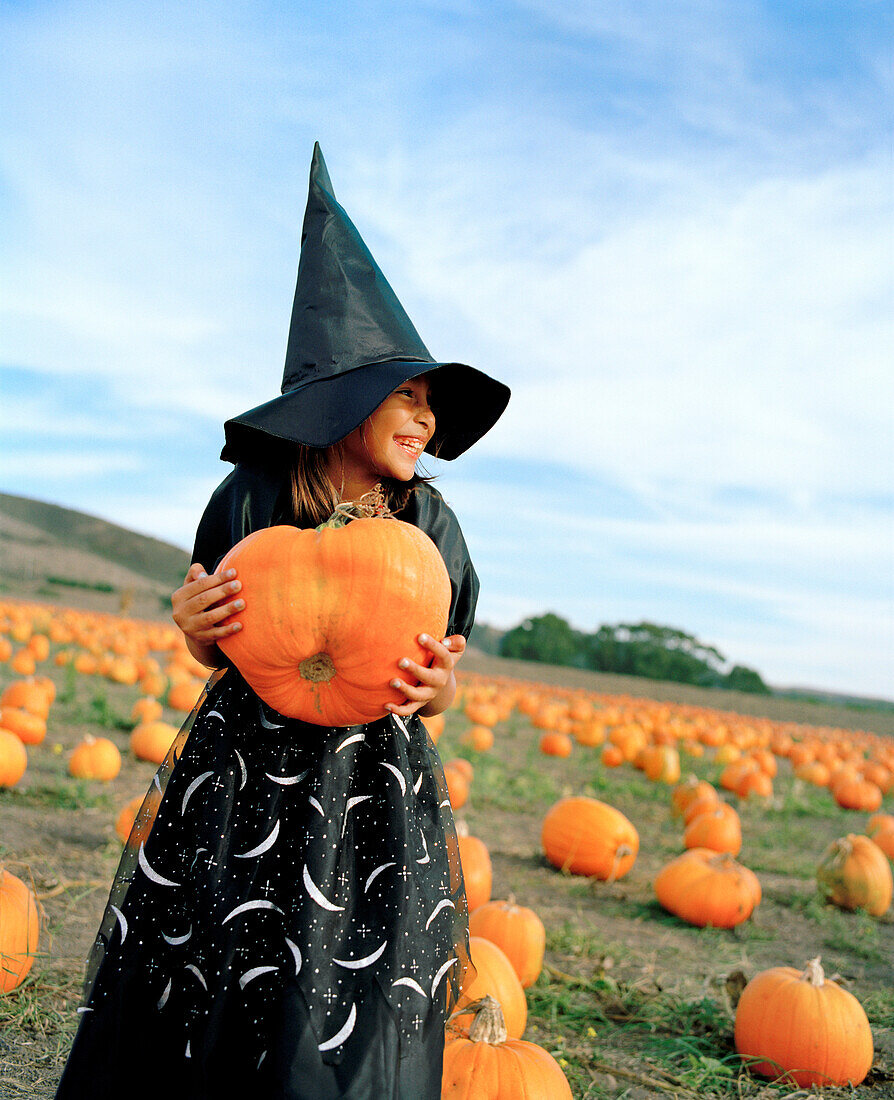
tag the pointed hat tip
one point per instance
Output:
(319, 173)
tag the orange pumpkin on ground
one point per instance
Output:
(857, 794)
(13, 759)
(478, 873)
(23, 663)
(435, 726)
(151, 741)
(661, 763)
(611, 756)
(704, 887)
(460, 764)
(27, 695)
(798, 1026)
(718, 829)
(146, 709)
(854, 873)
(95, 758)
(304, 646)
(687, 792)
(707, 800)
(556, 744)
(495, 977)
(517, 931)
(883, 836)
(184, 694)
(125, 819)
(488, 1065)
(26, 726)
(587, 837)
(19, 931)
(457, 787)
(479, 738)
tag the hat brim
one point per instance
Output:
(323, 411)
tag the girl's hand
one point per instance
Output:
(437, 682)
(200, 605)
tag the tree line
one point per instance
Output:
(631, 649)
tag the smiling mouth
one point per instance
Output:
(412, 446)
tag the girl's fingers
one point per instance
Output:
(421, 694)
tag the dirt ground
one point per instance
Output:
(59, 834)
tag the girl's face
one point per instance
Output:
(389, 442)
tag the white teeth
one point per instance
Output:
(414, 445)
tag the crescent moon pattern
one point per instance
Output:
(287, 780)
(339, 1037)
(398, 773)
(153, 876)
(446, 802)
(187, 1053)
(417, 784)
(445, 904)
(353, 739)
(352, 802)
(196, 856)
(122, 920)
(411, 983)
(84, 1008)
(296, 952)
(163, 999)
(359, 964)
(192, 788)
(242, 768)
(255, 972)
(246, 905)
(215, 714)
(264, 846)
(375, 874)
(426, 858)
(157, 782)
(400, 722)
(316, 805)
(264, 722)
(440, 974)
(198, 973)
(175, 941)
(318, 895)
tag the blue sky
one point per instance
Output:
(667, 227)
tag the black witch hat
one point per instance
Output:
(351, 344)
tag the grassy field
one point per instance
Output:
(632, 1002)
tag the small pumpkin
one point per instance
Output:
(854, 793)
(854, 873)
(19, 930)
(95, 758)
(803, 1028)
(556, 744)
(151, 741)
(517, 931)
(489, 1065)
(480, 738)
(704, 887)
(310, 596)
(477, 870)
(13, 759)
(718, 829)
(587, 837)
(29, 728)
(493, 975)
(685, 793)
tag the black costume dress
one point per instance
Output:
(289, 914)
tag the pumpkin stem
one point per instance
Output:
(620, 852)
(488, 1025)
(369, 506)
(813, 973)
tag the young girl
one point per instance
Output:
(289, 915)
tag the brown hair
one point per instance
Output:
(313, 495)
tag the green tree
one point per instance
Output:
(546, 638)
(741, 678)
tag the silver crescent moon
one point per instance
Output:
(287, 780)
(242, 767)
(398, 773)
(163, 999)
(188, 1052)
(412, 983)
(175, 941)
(122, 920)
(339, 1037)
(359, 964)
(446, 802)
(352, 802)
(296, 952)
(255, 972)
(351, 740)
(157, 782)
(84, 1008)
(375, 873)
(426, 858)
(264, 846)
(193, 969)
(440, 974)
(316, 805)
(215, 714)
(246, 905)
(267, 725)
(192, 788)
(317, 894)
(153, 876)
(397, 718)
(417, 784)
(445, 904)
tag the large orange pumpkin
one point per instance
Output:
(19, 931)
(95, 758)
(306, 646)
(854, 873)
(478, 873)
(704, 887)
(799, 1026)
(13, 759)
(588, 837)
(488, 1065)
